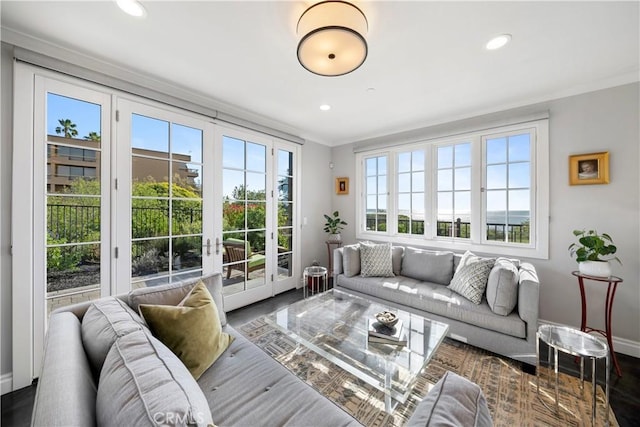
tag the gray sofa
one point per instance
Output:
(244, 387)
(419, 284)
(142, 383)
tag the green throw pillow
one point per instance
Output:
(191, 329)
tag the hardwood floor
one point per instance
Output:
(625, 391)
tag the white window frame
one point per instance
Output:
(538, 247)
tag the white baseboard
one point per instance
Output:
(620, 345)
(6, 383)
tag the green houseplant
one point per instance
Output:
(590, 250)
(334, 225)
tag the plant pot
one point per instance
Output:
(595, 268)
(335, 237)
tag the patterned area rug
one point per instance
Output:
(511, 393)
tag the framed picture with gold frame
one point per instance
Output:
(592, 168)
(342, 185)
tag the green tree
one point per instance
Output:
(67, 128)
(93, 136)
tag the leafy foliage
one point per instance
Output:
(592, 246)
(67, 128)
(334, 223)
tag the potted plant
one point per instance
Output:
(588, 251)
(333, 226)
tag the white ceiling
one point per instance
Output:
(426, 60)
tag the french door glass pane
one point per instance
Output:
(73, 190)
(285, 213)
(166, 204)
(244, 187)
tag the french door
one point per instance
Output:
(165, 196)
(113, 192)
(258, 211)
(71, 207)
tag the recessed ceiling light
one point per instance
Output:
(498, 41)
(132, 7)
(325, 107)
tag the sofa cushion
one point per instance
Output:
(175, 292)
(143, 383)
(428, 266)
(502, 286)
(436, 299)
(247, 387)
(470, 279)
(191, 329)
(375, 260)
(453, 401)
(351, 257)
(105, 321)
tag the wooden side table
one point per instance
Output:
(612, 284)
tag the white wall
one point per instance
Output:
(6, 119)
(605, 120)
(316, 197)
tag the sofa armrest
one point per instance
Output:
(529, 297)
(453, 401)
(337, 262)
(66, 393)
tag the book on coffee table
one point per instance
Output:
(380, 333)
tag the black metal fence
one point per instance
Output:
(517, 233)
(79, 223)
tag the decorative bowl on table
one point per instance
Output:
(387, 318)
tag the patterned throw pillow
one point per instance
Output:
(470, 279)
(375, 260)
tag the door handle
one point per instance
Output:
(208, 246)
(217, 246)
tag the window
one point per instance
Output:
(454, 190)
(508, 188)
(484, 190)
(411, 192)
(376, 193)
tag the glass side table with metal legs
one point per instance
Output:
(578, 344)
(313, 277)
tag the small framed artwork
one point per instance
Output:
(342, 185)
(590, 168)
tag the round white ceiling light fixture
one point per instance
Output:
(332, 38)
(132, 7)
(325, 107)
(498, 41)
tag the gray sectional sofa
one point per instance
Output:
(102, 366)
(505, 321)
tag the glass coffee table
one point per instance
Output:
(334, 324)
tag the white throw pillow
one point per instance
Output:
(502, 286)
(351, 260)
(470, 279)
(375, 260)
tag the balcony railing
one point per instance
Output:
(516, 233)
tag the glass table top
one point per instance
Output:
(334, 324)
(573, 341)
